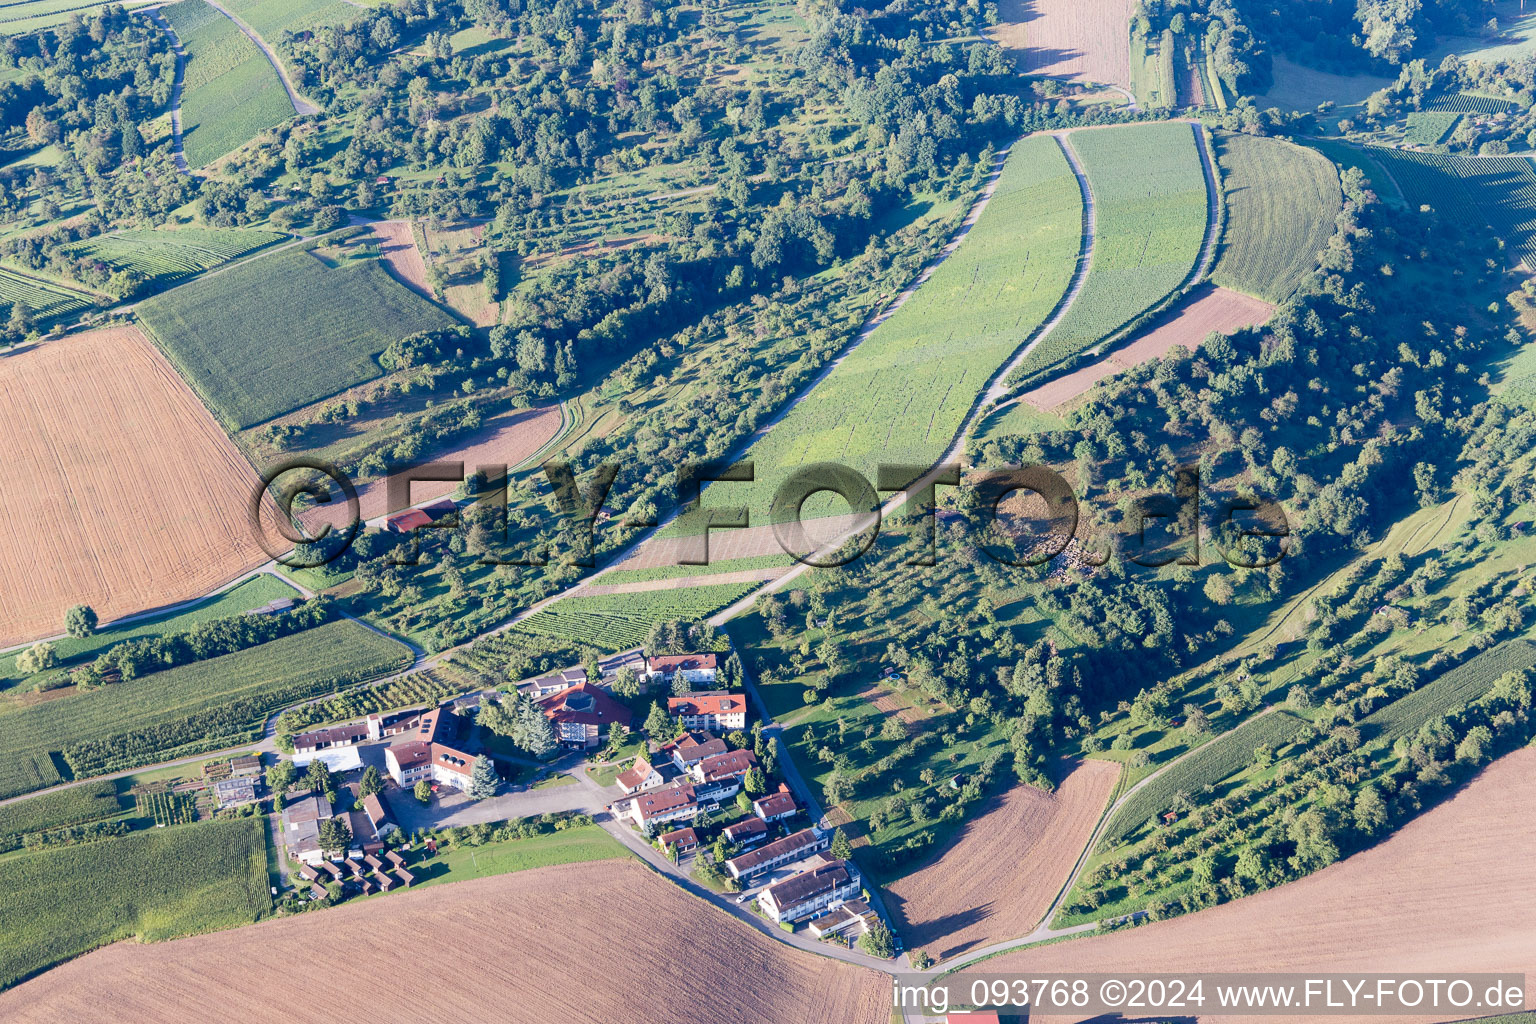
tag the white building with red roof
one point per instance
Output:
(581, 714)
(691, 748)
(641, 775)
(723, 769)
(717, 711)
(696, 668)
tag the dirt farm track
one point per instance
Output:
(1453, 890)
(607, 942)
(120, 490)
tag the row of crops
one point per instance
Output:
(167, 807)
(156, 884)
(1458, 687)
(1497, 190)
(1219, 759)
(616, 622)
(1430, 127)
(1281, 205)
(166, 256)
(31, 15)
(231, 92)
(276, 334)
(417, 689)
(90, 802)
(904, 392)
(1466, 103)
(1151, 208)
(185, 710)
(46, 301)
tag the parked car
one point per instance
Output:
(743, 897)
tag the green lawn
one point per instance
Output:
(283, 331)
(62, 902)
(231, 93)
(571, 846)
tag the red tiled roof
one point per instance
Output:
(691, 750)
(454, 760)
(724, 766)
(334, 734)
(788, 845)
(707, 704)
(660, 801)
(408, 520)
(584, 704)
(667, 664)
(681, 837)
(775, 804)
(411, 755)
(746, 828)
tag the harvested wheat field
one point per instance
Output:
(121, 491)
(509, 439)
(1079, 40)
(1001, 876)
(397, 244)
(568, 944)
(1454, 890)
(1209, 310)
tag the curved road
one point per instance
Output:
(301, 105)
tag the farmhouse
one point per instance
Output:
(581, 714)
(829, 883)
(378, 815)
(301, 827)
(684, 840)
(747, 832)
(396, 722)
(243, 766)
(774, 806)
(234, 792)
(696, 668)
(781, 851)
(634, 661)
(716, 711)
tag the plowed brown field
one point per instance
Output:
(1079, 40)
(1001, 876)
(1209, 310)
(1454, 890)
(602, 943)
(397, 244)
(120, 490)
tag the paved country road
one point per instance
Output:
(301, 106)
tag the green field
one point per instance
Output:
(1150, 200)
(1430, 127)
(165, 256)
(280, 332)
(66, 807)
(271, 18)
(616, 622)
(1468, 103)
(1281, 204)
(156, 885)
(1460, 686)
(186, 710)
(587, 842)
(46, 300)
(901, 395)
(1499, 191)
(1219, 759)
(31, 15)
(253, 593)
(674, 572)
(231, 92)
